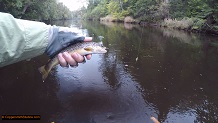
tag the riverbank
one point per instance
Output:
(191, 24)
(197, 25)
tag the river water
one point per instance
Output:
(168, 74)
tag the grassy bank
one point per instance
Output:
(191, 24)
(110, 18)
(188, 24)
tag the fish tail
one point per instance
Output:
(44, 72)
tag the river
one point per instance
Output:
(169, 74)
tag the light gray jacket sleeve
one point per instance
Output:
(21, 39)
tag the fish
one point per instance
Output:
(82, 48)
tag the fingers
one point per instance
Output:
(88, 39)
(61, 59)
(73, 60)
(88, 57)
(78, 58)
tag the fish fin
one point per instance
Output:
(88, 49)
(44, 72)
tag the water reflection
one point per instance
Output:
(171, 70)
(167, 74)
(22, 91)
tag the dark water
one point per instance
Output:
(168, 74)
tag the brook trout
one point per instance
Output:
(83, 48)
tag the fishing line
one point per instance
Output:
(139, 45)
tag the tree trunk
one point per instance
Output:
(25, 8)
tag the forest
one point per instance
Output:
(181, 14)
(198, 15)
(39, 10)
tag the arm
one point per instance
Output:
(23, 39)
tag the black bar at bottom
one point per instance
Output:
(21, 117)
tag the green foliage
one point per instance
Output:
(149, 10)
(35, 9)
(216, 27)
(95, 9)
(12, 6)
(113, 7)
(178, 8)
(206, 11)
(203, 12)
(198, 8)
(215, 11)
(98, 9)
(142, 9)
(153, 10)
(193, 8)
(198, 23)
(116, 10)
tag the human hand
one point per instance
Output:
(73, 60)
(62, 37)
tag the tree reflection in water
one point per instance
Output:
(176, 71)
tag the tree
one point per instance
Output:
(35, 9)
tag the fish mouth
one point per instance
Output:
(102, 50)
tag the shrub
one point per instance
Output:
(185, 23)
(198, 23)
(129, 19)
(216, 27)
(108, 18)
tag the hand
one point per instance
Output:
(73, 60)
(60, 38)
